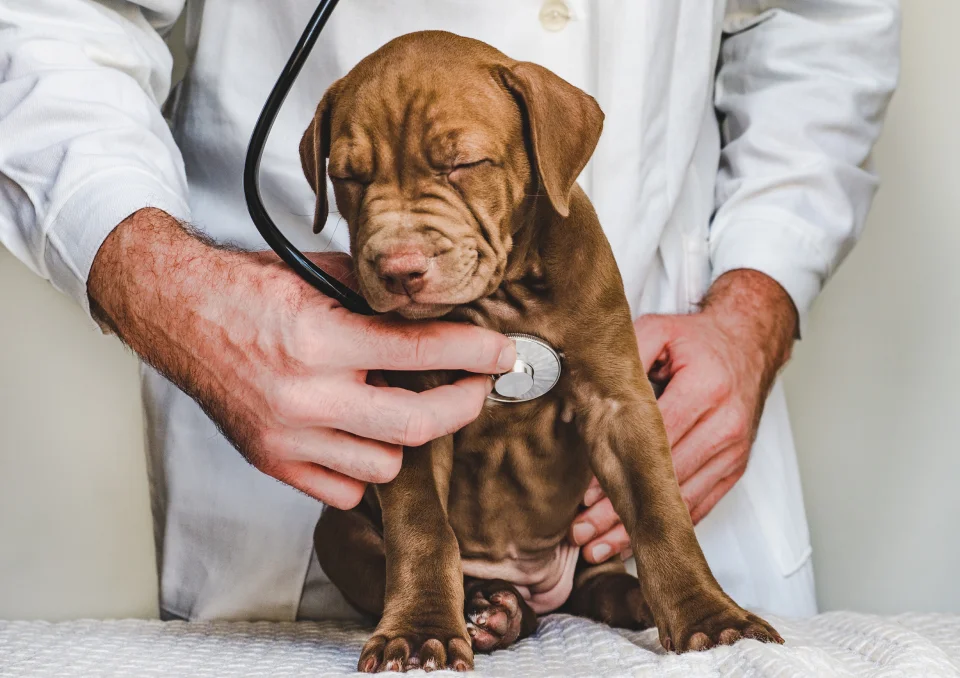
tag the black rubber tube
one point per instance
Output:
(294, 258)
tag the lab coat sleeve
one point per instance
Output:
(801, 91)
(83, 143)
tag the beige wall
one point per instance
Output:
(873, 389)
(75, 533)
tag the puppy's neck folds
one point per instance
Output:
(537, 285)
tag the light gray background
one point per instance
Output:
(873, 391)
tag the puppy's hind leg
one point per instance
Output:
(607, 593)
(497, 615)
(350, 550)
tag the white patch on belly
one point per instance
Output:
(545, 582)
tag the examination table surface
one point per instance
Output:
(831, 644)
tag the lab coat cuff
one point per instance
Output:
(780, 250)
(90, 215)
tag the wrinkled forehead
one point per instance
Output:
(445, 112)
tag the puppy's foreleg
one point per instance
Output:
(422, 624)
(630, 455)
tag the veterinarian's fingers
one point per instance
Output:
(703, 442)
(613, 543)
(596, 520)
(652, 338)
(594, 493)
(328, 486)
(366, 343)
(718, 492)
(395, 415)
(683, 403)
(722, 465)
(361, 458)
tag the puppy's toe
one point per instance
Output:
(699, 642)
(432, 655)
(762, 631)
(396, 655)
(410, 651)
(729, 636)
(725, 624)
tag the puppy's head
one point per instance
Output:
(435, 144)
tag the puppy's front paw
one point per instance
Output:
(715, 622)
(407, 651)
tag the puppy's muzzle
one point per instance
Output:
(403, 270)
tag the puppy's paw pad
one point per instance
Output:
(494, 619)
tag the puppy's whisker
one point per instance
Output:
(329, 247)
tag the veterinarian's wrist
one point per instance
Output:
(757, 313)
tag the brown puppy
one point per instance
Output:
(454, 167)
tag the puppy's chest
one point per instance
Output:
(518, 475)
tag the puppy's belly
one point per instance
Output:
(545, 582)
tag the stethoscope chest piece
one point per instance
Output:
(536, 371)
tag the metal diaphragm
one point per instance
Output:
(535, 372)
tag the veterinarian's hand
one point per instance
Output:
(282, 369)
(717, 367)
(598, 529)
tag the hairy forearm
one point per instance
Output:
(131, 272)
(151, 283)
(758, 314)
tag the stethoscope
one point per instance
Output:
(537, 368)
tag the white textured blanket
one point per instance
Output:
(833, 644)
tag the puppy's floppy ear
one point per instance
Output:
(563, 124)
(314, 151)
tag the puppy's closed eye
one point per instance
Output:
(472, 163)
(461, 169)
(349, 179)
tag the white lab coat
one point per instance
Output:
(781, 185)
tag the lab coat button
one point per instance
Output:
(554, 15)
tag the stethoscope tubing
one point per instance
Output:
(306, 269)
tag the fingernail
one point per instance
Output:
(583, 532)
(600, 552)
(489, 385)
(592, 496)
(508, 356)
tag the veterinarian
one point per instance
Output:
(732, 178)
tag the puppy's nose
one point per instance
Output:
(404, 271)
